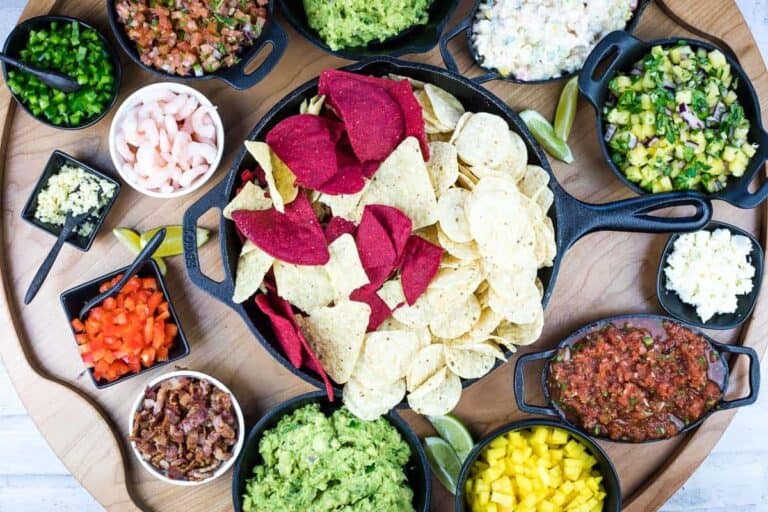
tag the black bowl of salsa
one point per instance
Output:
(675, 378)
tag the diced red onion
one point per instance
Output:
(692, 120)
(691, 144)
(653, 141)
(711, 121)
(632, 142)
(719, 111)
(682, 107)
(636, 72)
(669, 86)
(610, 131)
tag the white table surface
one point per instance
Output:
(734, 478)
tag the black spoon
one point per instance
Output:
(145, 254)
(69, 225)
(53, 79)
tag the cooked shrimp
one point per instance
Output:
(201, 152)
(123, 149)
(189, 107)
(149, 128)
(191, 175)
(171, 126)
(159, 95)
(202, 124)
(172, 107)
(163, 141)
(180, 146)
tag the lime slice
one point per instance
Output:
(566, 108)
(172, 245)
(545, 135)
(131, 239)
(452, 430)
(444, 462)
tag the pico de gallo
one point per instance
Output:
(192, 37)
(627, 384)
(127, 332)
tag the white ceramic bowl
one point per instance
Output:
(136, 98)
(235, 449)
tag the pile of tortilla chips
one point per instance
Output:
(405, 233)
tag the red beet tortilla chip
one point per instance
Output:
(397, 225)
(306, 144)
(379, 309)
(349, 177)
(402, 93)
(374, 244)
(284, 331)
(374, 121)
(420, 264)
(338, 226)
(293, 237)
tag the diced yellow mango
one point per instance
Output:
(507, 500)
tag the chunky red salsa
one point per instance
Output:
(631, 385)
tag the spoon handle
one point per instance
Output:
(143, 256)
(17, 63)
(47, 264)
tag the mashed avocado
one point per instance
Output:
(349, 23)
(316, 463)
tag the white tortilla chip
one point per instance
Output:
(281, 182)
(344, 267)
(307, 287)
(438, 395)
(428, 361)
(369, 403)
(443, 166)
(457, 320)
(451, 215)
(344, 205)
(386, 356)
(252, 265)
(251, 197)
(391, 292)
(468, 361)
(484, 140)
(446, 107)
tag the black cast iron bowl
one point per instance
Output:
(416, 470)
(673, 305)
(272, 34)
(606, 468)
(623, 50)
(20, 35)
(654, 324)
(416, 39)
(467, 25)
(572, 218)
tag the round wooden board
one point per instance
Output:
(86, 427)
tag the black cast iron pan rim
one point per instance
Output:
(354, 53)
(620, 321)
(573, 219)
(272, 33)
(743, 312)
(273, 415)
(611, 479)
(467, 24)
(36, 21)
(595, 91)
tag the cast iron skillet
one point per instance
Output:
(272, 34)
(606, 468)
(621, 51)
(572, 218)
(416, 39)
(416, 470)
(654, 324)
(467, 25)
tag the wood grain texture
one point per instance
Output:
(85, 427)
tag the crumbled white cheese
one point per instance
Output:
(73, 190)
(709, 270)
(539, 39)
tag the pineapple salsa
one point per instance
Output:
(674, 121)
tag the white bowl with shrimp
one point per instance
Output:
(166, 140)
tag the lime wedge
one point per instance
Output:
(132, 241)
(452, 430)
(566, 108)
(545, 135)
(444, 462)
(172, 245)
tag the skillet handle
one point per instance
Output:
(214, 198)
(634, 215)
(274, 36)
(738, 193)
(448, 59)
(594, 88)
(520, 384)
(754, 374)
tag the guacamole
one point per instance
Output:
(350, 23)
(316, 463)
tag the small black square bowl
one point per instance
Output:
(58, 160)
(74, 298)
(673, 305)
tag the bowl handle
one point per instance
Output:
(214, 198)
(634, 215)
(738, 193)
(754, 374)
(520, 384)
(448, 59)
(593, 87)
(275, 36)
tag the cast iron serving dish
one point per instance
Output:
(15, 43)
(272, 38)
(416, 470)
(466, 26)
(619, 51)
(604, 465)
(416, 39)
(572, 218)
(654, 324)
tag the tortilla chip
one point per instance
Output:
(428, 361)
(457, 320)
(438, 395)
(307, 287)
(469, 361)
(344, 268)
(281, 182)
(391, 292)
(443, 166)
(250, 197)
(446, 107)
(370, 402)
(252, 265)
(451, 216)
(484, 140)
(386, 356)
(420, 264)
